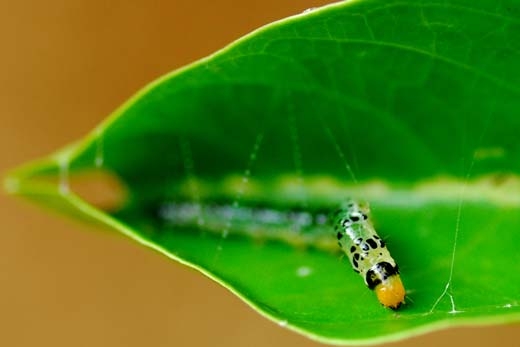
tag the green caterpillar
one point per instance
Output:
(368, 253)
(352, 224)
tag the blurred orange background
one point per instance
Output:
(65, 65)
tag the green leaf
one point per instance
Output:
(411, 106)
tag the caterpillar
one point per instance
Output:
(368, 253)
(351, 224)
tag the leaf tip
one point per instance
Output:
(11, 184)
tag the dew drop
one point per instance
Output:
(309, 10)
(303, 271)
(282, 323)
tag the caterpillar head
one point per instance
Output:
(384, 279)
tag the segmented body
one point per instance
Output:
(368, 253)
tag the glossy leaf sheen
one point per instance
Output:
(411, 105)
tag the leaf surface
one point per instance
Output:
(409, 105)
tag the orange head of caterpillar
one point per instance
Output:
(390, 293)
(384, 279)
